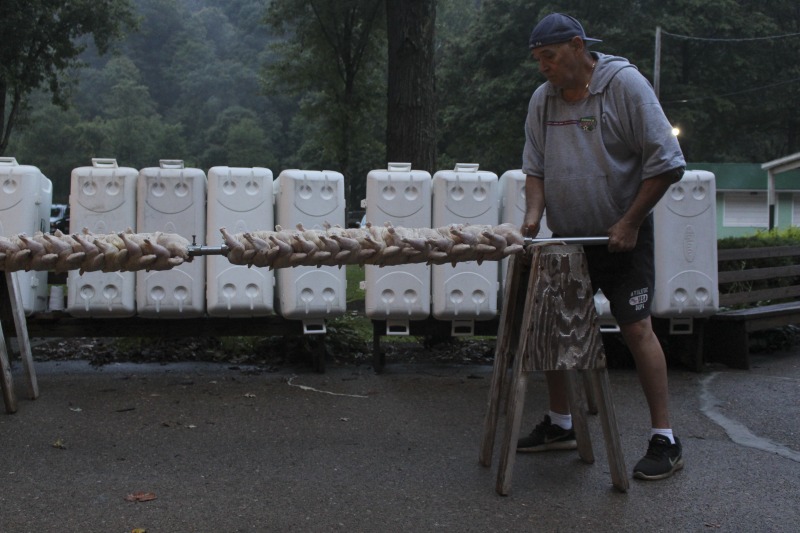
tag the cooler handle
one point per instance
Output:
(467, 167)
(104, 162)
(170, 163)
(399, 167)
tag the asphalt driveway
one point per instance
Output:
(209, 447)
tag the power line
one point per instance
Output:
(732, 40)
(698, 99)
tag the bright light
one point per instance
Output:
(676, 131)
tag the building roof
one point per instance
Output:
(784, 164)
(752, 176)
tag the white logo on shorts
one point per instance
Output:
(638, 299)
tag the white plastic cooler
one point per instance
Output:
(512, 201)
(26, 196)
(171, 199)
(468, 291)
(239, 199)
(398, 294)
(512, 210)
(686, 250)
(311, 198)
(103, 200)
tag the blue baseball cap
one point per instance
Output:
(557, 28)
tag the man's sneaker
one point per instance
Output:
(661, 461)
(547, 436)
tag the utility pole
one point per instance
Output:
(657, 64)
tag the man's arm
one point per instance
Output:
(622, 236)
(534, 206)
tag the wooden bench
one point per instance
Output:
(727, 332)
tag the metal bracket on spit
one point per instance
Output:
(195, 249)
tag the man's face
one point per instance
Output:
(558, 62)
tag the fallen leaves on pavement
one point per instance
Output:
(140, 497)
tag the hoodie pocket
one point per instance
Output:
(583, 206)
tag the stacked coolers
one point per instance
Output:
(240, 200)
(398, 294)
(102, 201)
(467, 291)
(686, 252)
(172, 199)
(314, 199)
(26, 196)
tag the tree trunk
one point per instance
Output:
(411, 107)
(3, 129)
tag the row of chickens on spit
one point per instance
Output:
(283, 248)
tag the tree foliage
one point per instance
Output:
(42, 40)
(331, 65)
(485, 80)
(730, 93)
(304, 83)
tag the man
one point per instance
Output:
(599, 154)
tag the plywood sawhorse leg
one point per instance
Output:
(6, 380)
(549, 323)
(9, 294)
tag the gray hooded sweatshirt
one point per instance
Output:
(594, 153)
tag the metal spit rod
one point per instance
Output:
(568, 240)
(198, 250)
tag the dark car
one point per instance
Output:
(59, 218)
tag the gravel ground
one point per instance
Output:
(268, 353)
(344, 346)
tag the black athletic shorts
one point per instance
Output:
(626, 278)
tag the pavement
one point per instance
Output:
(215, 448)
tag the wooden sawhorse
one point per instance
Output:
(548, 322)
(10, 302)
